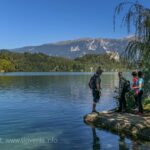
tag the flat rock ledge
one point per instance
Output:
(121, 123)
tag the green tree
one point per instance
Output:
(6, 65)
(138, 50)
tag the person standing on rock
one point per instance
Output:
(122, 100)
(95, 86)
(134, 84)
(140, 86)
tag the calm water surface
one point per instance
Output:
(44, 111)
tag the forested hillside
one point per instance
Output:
(27, 62)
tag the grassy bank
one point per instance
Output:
(147, 104)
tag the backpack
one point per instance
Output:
(92, 82)
(126, 87)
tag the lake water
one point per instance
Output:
(44, 111)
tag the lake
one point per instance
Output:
(44, 111)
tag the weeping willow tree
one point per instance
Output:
(138, 50)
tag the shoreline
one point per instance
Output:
(50, 73)
(121, 123)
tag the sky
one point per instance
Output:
(35, 22)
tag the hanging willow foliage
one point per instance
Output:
(138, 50)
(138, 16)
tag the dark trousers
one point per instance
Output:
(122, 101)
(140, 101)
(136, 100)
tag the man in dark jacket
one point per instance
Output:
(96, 87)
(122, 92)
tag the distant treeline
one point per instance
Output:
(38, 62)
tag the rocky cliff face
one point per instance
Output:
(80, 47)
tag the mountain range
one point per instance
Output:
(80, 47)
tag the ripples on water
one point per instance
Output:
(49, 108)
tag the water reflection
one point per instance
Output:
(96, 140)
(43, 106)
(123, 143)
